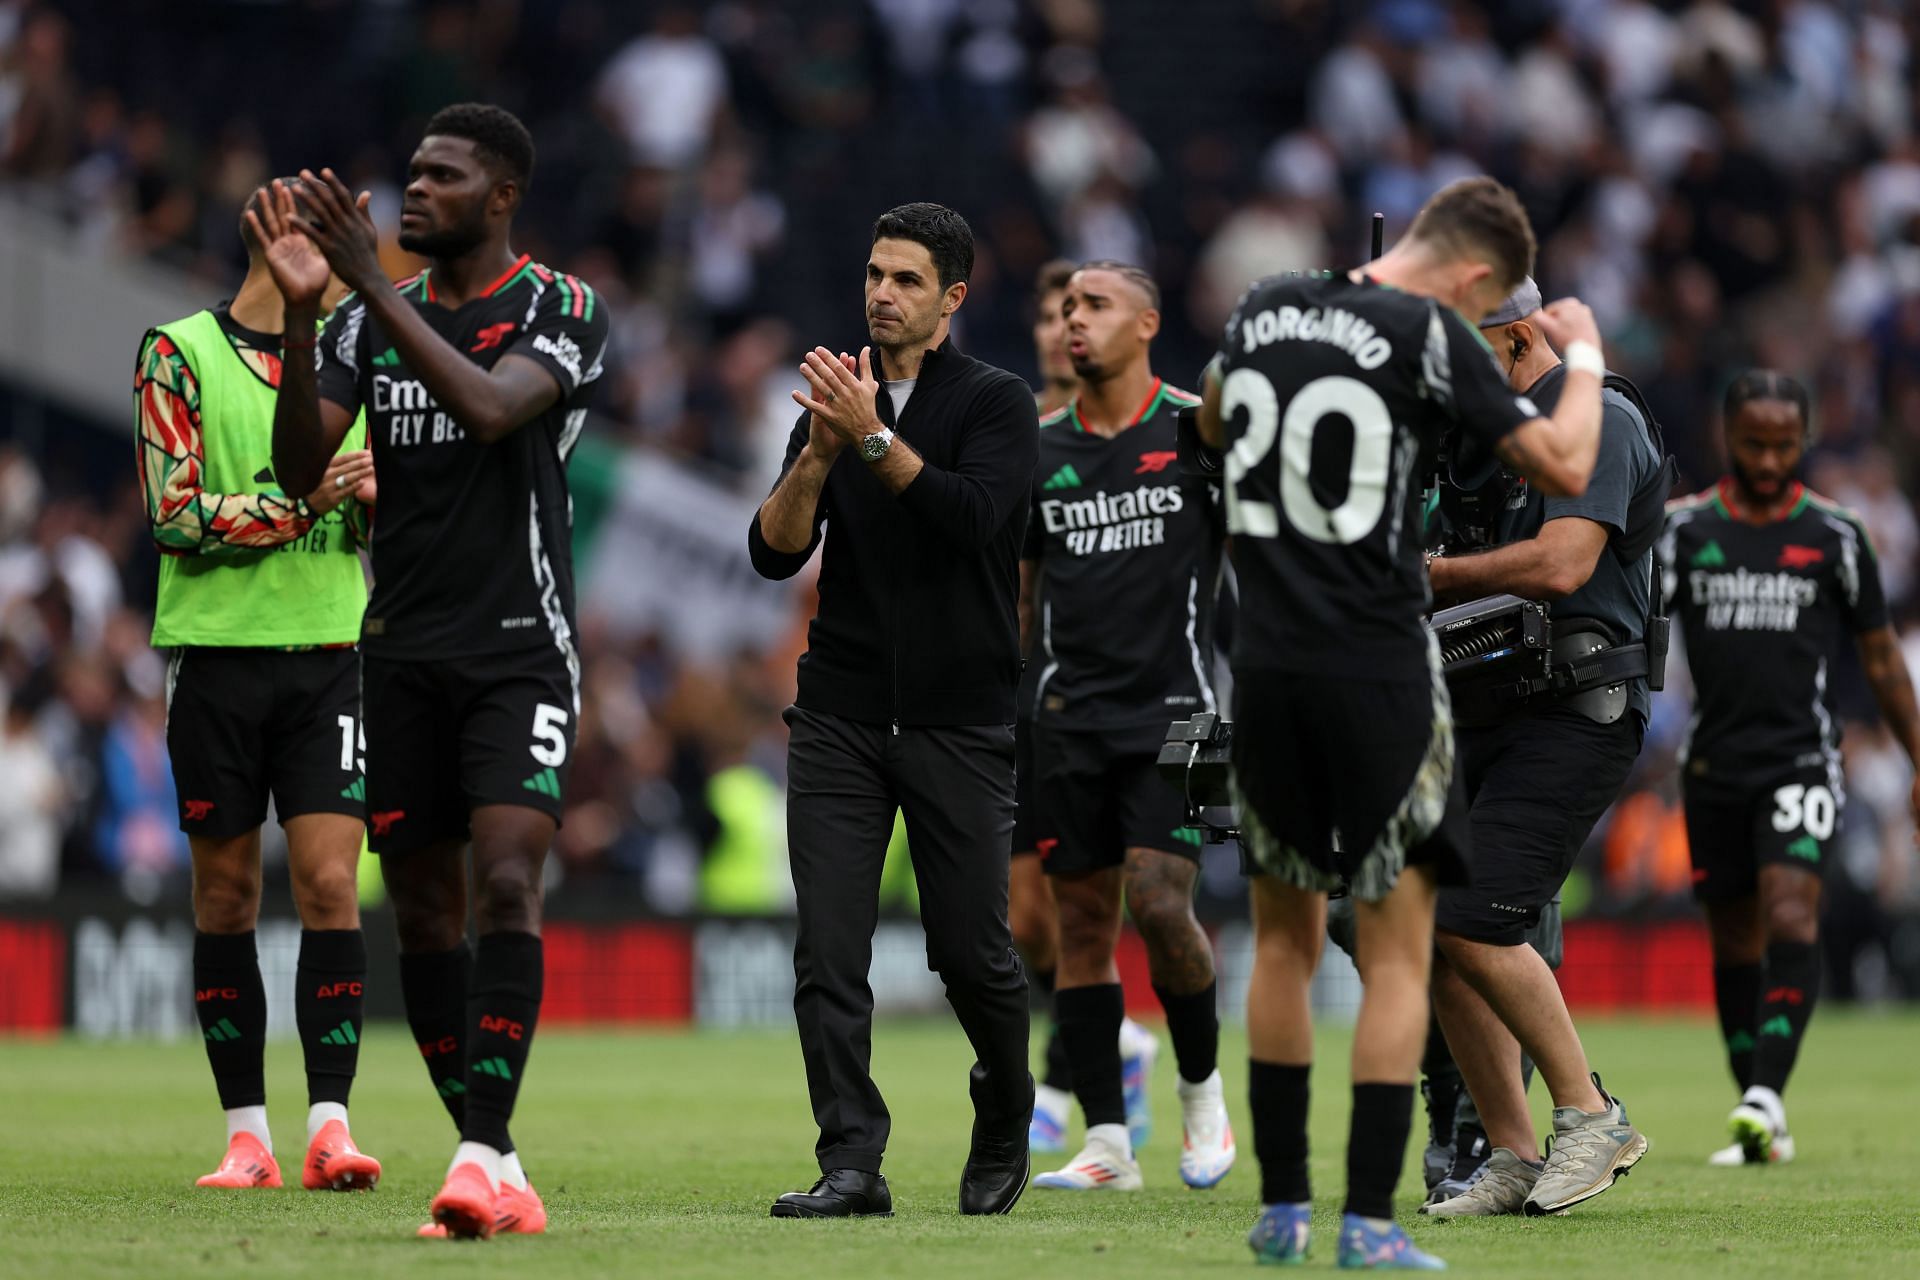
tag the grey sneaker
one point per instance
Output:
(1503, 1186)
(1471, 1151)
(1590, 1150)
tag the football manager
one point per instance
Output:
(916, 462)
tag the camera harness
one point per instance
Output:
(1587, 665)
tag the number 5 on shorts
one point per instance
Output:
(1811, 808)
(549, 735)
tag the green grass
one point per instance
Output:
(658, 1155)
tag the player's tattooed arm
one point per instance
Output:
(1886, 670)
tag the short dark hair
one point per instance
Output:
(499, 139)
(1479, 216)
(1767, 384)
(1052, 278)
(1138, 275)
(255, 205)
(945, 234)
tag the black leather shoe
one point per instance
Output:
(998, 1164)
(840, 1193)
(996, 1172)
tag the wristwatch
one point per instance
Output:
(874, 447)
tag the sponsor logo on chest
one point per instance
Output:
(1742, 600)
(1101, 522)
(412, 416)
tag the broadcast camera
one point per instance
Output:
(1492, 649)
(1196, 760)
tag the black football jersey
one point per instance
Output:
(1335, 393)
(1764, 609)
(472, 543)
(1129, 558)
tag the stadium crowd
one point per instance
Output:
(1725, 183)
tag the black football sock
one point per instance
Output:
(1441, 1086)
(1089, 1023)
(1736, 995)
(1193, 1024)
(1059, 1067)
(329, 998)
(433, 985)
(1059, 1072)
(231, 1002)
(1788, 990)
(509, 974)
(1277, 1096)
(1377, 1146)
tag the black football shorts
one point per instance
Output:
(246, 723)
(1346, 781)
(1101, 795)
(1536, 785)
(1737, 826)
(448, 736)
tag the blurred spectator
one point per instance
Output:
(31, 804)
(39, 98)
(1724, 183)
(137, 832)
(1079, 138)
(1277, 231)
(1355, 105)
(1462, 79)
(733, 229)
(664, 92)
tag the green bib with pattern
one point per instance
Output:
(309, 591)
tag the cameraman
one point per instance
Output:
(1539, 772)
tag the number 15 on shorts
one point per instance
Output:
(353, 744)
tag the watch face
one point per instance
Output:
(875, 446)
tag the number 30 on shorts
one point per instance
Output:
(1811, 809)
(549, 735)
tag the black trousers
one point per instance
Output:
(845, 779)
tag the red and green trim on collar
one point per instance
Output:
(1158, 392)
(1723, 502)
(424, 281)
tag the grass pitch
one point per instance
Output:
(659, 1154)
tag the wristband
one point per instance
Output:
(1584, 357)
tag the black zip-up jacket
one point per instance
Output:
(917, 622)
